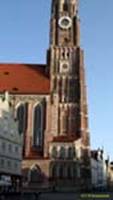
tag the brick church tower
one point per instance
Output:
(51, 106)
(67, 134)
(66, 68)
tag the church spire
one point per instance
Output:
(65, 5)
(64, 30)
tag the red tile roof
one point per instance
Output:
(24, 79)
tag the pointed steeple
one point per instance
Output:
(64, 5)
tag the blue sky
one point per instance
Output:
(24, 37)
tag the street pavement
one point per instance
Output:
(58, 196)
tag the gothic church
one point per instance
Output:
(51, 106)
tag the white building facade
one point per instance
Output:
(110, 175)
(98, 169)
(10, 144)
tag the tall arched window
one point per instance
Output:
(62, 153)
(21, 115)
(54, 152)
(37, 126)
(74, 152)
(35, 174)
(70, 153)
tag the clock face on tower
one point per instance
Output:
(64, 67)
(65, 22)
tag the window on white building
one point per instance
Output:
(3, 146)
(2, 162)
(16, 149)
(10, 148)
(9, 164)
(16, 165)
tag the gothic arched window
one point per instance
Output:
(21, 115)
(37, 126)
(74, 152)
(35, 174)
(70, 153)
(62, 153)
(54, 152)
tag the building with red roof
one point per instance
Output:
(51, 106)
(24, 79)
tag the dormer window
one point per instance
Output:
(6, 73)
(15, 89)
